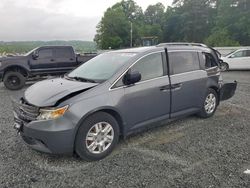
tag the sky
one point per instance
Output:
(22, 20)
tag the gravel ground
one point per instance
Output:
(191, 152)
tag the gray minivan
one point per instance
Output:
(119, 93)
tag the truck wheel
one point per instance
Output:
(210, 104)
(13, 80)
(97, 136)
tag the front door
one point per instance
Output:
(44, 60)
(148, 100)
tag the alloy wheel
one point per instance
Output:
(210, 103)
(99, 138)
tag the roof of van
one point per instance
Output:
(169, 47)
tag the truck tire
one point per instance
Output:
(14, 80)
(97, 136)
(210, 104)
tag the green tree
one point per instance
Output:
(221, 38)
(113, 30)
(233, 16)
(154, 14)
(216, 22)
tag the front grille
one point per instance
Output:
(25, 111)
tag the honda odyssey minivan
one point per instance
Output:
(119, 93)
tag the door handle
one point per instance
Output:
(52, 60)
(165, 88)
(176, 86)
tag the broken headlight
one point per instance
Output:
(52, 113)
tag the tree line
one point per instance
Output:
(25, 46)
(213, 22)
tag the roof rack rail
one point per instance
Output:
(182, 44)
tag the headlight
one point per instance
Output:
(52, 113)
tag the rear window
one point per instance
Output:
(248, 53)
(45, 53)
(182, 62)
(209, 61)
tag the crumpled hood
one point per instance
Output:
(48, 92)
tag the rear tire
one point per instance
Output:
(210, 104)
(97, 137)
(14, 80)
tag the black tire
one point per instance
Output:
(81, 137)
(204, 113)
(14, 80)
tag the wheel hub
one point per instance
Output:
(210, 103)
(99, 137)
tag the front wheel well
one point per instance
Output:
(113, 113)
(22, 70)
(118, 118)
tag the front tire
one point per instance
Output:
(13, 80)
(210, 104)
(97, 136)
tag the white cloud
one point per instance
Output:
(55, 19)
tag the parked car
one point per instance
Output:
(119, 93)
(238, 60)
(42, 61)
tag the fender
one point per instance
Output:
(108, 109)
(16, 66)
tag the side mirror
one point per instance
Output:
(35, 55)
(224, 66)
(131, 78)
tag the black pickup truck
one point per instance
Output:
(42, 61)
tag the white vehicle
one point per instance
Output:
(239, 59)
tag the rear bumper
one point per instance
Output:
(227, 90)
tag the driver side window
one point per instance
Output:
(239, 54)
(149, 67)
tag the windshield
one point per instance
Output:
(102, 67)
(29, 52)
(231, 53)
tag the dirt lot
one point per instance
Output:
(191, 152)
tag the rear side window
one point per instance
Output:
(45, 53)
(149, 67)
(247, 53)
(239, 54)
(63, 52)
(182, 62)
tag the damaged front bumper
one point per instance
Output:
(49, 136)
(227, 90)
